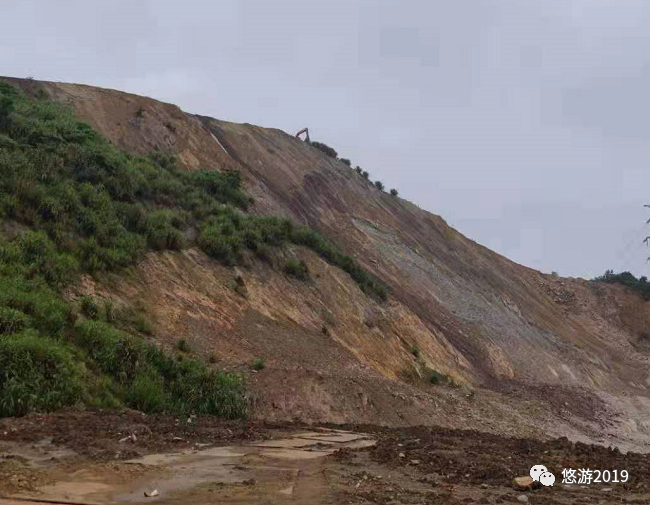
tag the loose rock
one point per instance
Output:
(524, 483)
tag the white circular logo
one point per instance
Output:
(536, 471)
(547, 479)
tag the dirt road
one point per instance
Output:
(104, 458)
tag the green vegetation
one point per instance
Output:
(440, 378)
(109, 312)
(297, 269)
(641, 285)
(258, 364)
(415, 351)
(143, 325)
(228, 234)
(345, 161)
(37, 373)
(393, 192)
(90, 208)
(358, 170)
(182, 345)
(152, 381)
(89, 307)
(365, 175)
(12, 321)
(325, 149)
(379, 185)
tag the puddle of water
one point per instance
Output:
(171, 458)
(177, 474)
(360, 444)
(294, 454)
(340, 438)
(293, 443)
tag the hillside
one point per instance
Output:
(510, 350)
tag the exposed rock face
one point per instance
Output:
(543, 355)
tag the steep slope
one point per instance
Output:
(542, 354)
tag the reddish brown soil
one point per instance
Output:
(476, 458)
(418, 465)
(97, 434)
(437, 465)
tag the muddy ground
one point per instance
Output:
(78, 457)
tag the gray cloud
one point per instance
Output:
(525, 124)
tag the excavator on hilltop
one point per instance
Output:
(306, 132)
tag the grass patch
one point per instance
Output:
(89, 308)
(12, 320)
(36, 374)
(258, 364)
(297, 269)
(438, 378)
(143, 325)
(152, 381)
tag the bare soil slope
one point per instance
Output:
(535, 355)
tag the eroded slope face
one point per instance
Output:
(536, 346)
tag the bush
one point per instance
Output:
(415, 351)
(358, 170)
(325, 149)
(47, 312)
(147, 393)
(38, 254)
(435, 377)
(36, 374)
(143, 325)
(379, 185)
(161, 230)
(222, 186)
(207, 392)
(220, 244)
(297, 269)
(109, 312)
(438, 378)
(365, 175)
(345, 161)
(89, 307)
(12, 321)
(258, 364)
(116, 353)
(154, 382)
(393, 192)
(641, 285)
(182, 345)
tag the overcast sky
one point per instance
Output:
(524, 123)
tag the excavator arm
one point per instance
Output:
(306, 131)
